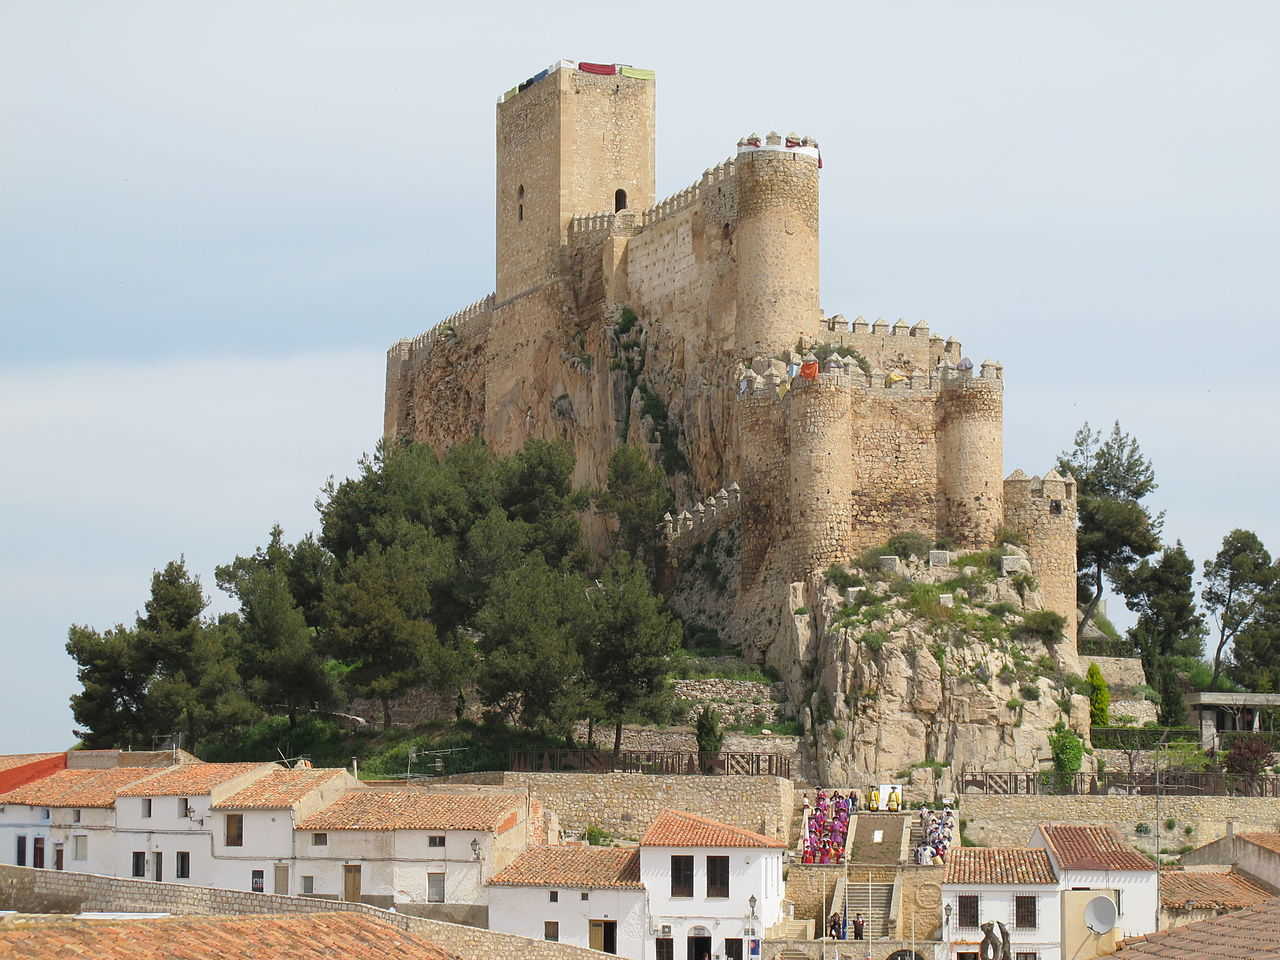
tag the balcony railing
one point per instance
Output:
(651, 761)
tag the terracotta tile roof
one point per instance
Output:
(411, 810)
(11, 760)
(1249, 934)
(78, 788)
(278, 790)
(192, 778)
(312, 936)
(999, 865)
(1219, 890)
(676, 828)
(1091, 848)
(592, 868)
(1270, 841)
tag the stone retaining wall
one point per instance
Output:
(847, 949)
(1117, 671)
(1008, 821)
(682, 740)
(28, 890)
(625, 803)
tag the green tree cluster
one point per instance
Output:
(452, 573)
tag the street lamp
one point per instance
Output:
(751, 902)
(475, 848)
(946, 912)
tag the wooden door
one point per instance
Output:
(57, 857)
(37, 851)
(351, 882)
(158, 859)
(596, 941)
(282, 879)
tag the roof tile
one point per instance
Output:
(188, 779)
(314, 936)
(1269, 841)
(11, 760)
(677, 828)
(592, 868)
(78, 788)
(1078, 847)
(1249, 934)
(1200, 889)
(999, 865)
(279, 789)
(412, 810)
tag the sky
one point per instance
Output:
(215, 217)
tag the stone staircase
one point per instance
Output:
(874, 901)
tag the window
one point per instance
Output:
(1024, 913)
(319, 839)
(1055, 507)
(258, 881)
(80, 847)
(718, 877)
(182, 869)
(520, 203)
(666, 948)
(435, 841)
(139, 863)
(619, 200)
(308, 884)
(435, 888)
(22, 852)
(75, 815)
(585, 895)
(44, 813)
(235, 830)
(969, 911)
(733, 948)
(146, 806)
(184, 806)
(967, 956)
(1025, 956)
(682, 876)
(37, 851)
(555, 896)
(550, 930)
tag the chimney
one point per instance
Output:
(1231, 843)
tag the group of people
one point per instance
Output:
(825, 826)
(936, 831)
(838, 927)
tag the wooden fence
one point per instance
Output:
(1171, 783)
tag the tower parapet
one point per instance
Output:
(971, 453)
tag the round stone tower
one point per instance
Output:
(776, 243)
(971, 455)
(820, 478)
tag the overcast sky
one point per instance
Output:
(215, 217)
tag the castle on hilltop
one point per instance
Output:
(693, 324)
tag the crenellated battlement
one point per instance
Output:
(845, 373)
(1052, 486)
(689, 527)
(472, 320)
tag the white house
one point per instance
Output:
(712, 888)
(253, 828)
(64, 821)
(429, 854)
(585, 896)
(163, 826)
(1097, 858)
(1014, 886)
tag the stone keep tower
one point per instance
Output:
(1043, 510)
(570, 143)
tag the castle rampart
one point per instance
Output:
(897, 433)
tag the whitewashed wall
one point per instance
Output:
(522, 910)
(996, 903)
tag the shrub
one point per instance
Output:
(708, 731)
(596, 837)
(1007, 674)
(1024, 583)
(1030, 691)
(1013, 703)
(909, 545)
(1170, 823)
(842, 579)
(1099, 697)
(1002, 609)
(1142, 829)
(1044, 625)
(801, 611)
(875, 639)
(1010, 535)
(1248, 757)
(626, 320)
(1067, 750)
(1188, 830)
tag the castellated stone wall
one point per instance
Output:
(1044, 511)
(971, 456)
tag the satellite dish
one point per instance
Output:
(1100, 915)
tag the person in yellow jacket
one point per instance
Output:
(894, 800)
(874, 802)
